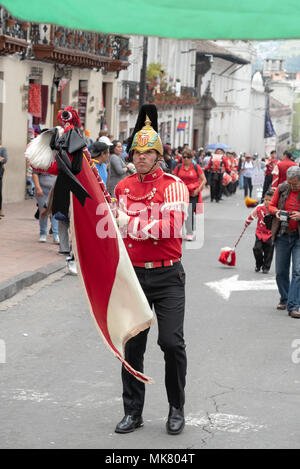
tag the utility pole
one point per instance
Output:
(143, 77)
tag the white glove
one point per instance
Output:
(131, 168)
(122, 219)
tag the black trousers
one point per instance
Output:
(263, 253)
(267, 184)
(190, 221)
(216, 186)
(164, 288)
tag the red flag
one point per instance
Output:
(116, 299)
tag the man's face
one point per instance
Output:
(219, 152)
(294, 184)
(144, 161)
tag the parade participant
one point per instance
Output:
(100, 156)
(217, 165)
(193, 177)
(280, 170)
(263, 248)
(226, 184)
(234, 173)
(154, 204)
(285, 204)
(270, 166)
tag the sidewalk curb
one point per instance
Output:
(10, 287)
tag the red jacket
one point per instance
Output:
(156, 206)
(271, 163)
(279, 173)
(218, 163)
(291, 204)
(190, 177)
(262, 231)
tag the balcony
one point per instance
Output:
(13, 34)
(80, 48)
(167, 98)
(56, 44)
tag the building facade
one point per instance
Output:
(232, 101)
(44, 67)
(170, 86)
(283, 88)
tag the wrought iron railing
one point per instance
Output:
(10, 26)
(103, 45)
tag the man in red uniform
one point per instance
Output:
(280, 170)
(271, 163)
(216, 166)
(285, 204)
(152, 207)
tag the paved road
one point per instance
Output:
(60, 386)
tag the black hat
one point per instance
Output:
(98, 148)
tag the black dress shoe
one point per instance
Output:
(129, 423)
(175, 423)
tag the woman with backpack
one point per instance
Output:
(193, 177)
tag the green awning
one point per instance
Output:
(202, 19)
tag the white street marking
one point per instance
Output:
(226, 286)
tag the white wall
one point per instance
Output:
(15, 117)
(283, 92)
(177, 66)
(15, 122)
(238, 119)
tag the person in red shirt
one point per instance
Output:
(263, 249)
(152, 206)
(193, 177)
(280, 170)
(271, 163)
(285, 205)
(216, 167)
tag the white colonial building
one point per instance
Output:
(173, 91)
(237, 98)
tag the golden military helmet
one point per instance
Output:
(147, 139)
(145, 136)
